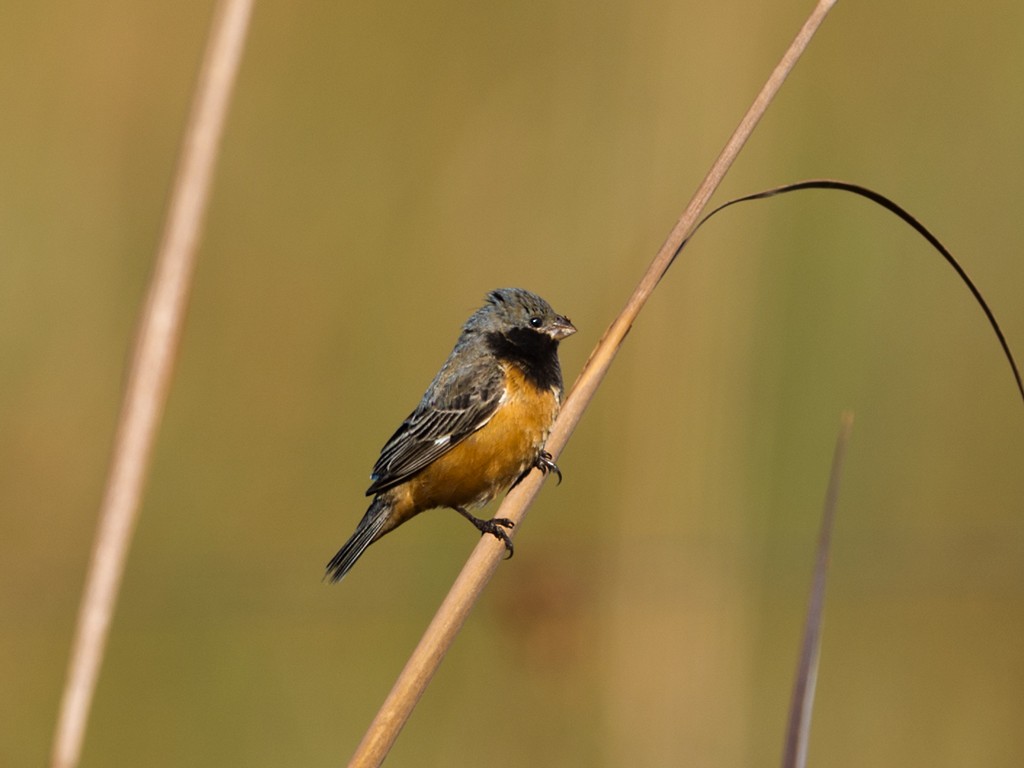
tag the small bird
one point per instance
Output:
(479, 429)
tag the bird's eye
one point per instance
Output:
(536, 322)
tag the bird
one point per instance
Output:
(480, 427)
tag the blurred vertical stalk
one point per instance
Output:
(152, 365)
(798, 732)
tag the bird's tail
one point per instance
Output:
(368, 531)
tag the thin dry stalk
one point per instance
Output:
(798, 732)
(484, 559)
(150, 374)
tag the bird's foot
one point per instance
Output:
(496, 527)
(546, 464)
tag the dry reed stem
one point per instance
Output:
(484, 559)
(798, 731)
(149, 377)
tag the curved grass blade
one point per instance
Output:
(892, 207)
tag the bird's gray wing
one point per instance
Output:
(459, 402)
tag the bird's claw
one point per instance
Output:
(546, 464)
(496, 527)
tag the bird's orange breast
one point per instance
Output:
(489, 460)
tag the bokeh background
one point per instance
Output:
(384, 166)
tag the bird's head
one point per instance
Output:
(520, 316)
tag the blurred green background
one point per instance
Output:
(386, 165)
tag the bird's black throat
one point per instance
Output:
(536, 354)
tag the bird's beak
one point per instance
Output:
(560, 328)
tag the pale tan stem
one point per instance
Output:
(483, 561)
(149, 377)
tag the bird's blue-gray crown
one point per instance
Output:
(516, 309)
